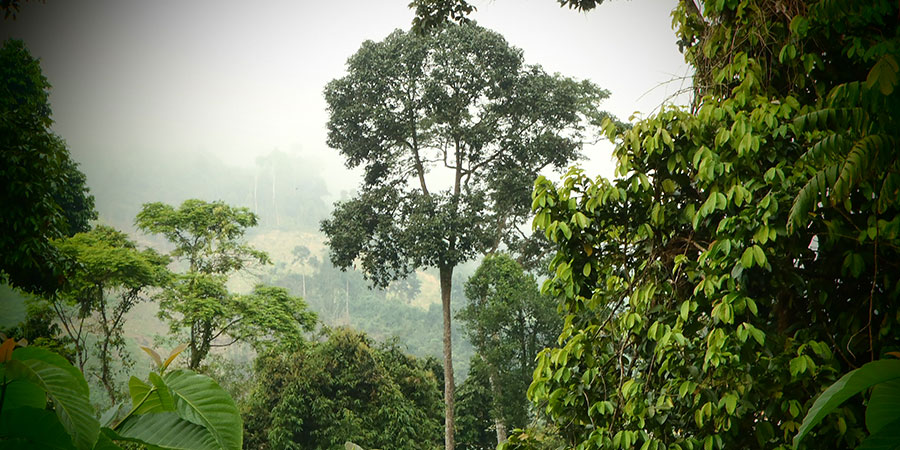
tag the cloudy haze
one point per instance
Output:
(238, 79)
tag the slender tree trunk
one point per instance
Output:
(498, 416)
(347, 300)
(274, 201)
(105, 377)
(446, 276)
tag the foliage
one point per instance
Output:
(176, 410)
(703, 306)
(346, 388)
(459, 101)
(44, 195)
(475, 426)
(208, 236)
(112, 275)
(882, 410)
(433, 14)
(509, 322)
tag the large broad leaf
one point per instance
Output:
(849, 385)
(33, 429)
(104, 442)
(151, 399)
(200, 400)
(65, 386)
(884, 406)
(888, 438)
(164, 430)
(40, 354)
(24, 393)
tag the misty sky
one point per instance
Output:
(239, 79)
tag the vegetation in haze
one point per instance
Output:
(733, 286)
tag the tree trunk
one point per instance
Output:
(498, 416)
(446, 276)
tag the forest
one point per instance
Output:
(733, 285)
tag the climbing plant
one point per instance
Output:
(746, 253)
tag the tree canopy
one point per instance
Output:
(345, 388)
(44, 194)
(459, 103)
(746, 254)
(209, 237)
(111, 277)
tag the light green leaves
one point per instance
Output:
(753, 256)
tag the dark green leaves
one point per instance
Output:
(885, 371)
(64, 385)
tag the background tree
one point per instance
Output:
(44, 195)
(208, 237)
(346, 388)
(746, 255)
(509, 322)
(112, 276)
(461, 100)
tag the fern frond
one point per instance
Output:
(828, 149)
(835, 119)
(815, 191)
(862, 157)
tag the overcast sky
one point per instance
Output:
(240, 78)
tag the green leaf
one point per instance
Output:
(201, 400)
(884, 74)
(150, 399)
(759, 256)
(64, 385)
(33, 428)
(165, 430)
(565, 229)
(849, 385)
(24, 393)
(105, 442)
(747, 258)
(884, 406)
(888, 438)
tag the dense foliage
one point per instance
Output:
(345, 388)
(44, 195)
(508, 322)
(747, 254)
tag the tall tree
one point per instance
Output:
(208, 236)
(449, 128)
(509, 322)
(112, 276)
(747, 253)
(44, 195)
